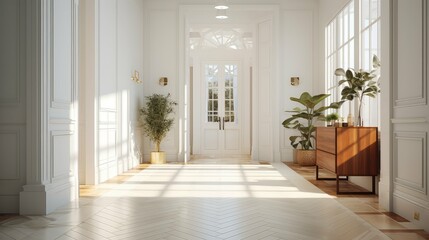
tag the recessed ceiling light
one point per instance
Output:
(221, 14)
(221, 5)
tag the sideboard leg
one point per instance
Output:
(338, 184)
(317, 172)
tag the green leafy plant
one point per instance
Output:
(155, 117)
(359, 84)
(303, 119)
(330, 118)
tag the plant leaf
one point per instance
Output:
(376, 62)
(340, 72)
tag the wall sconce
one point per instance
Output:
(163, 81)
(135, 77)
(294, 81)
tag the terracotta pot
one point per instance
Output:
(306, 157)
(157, 157)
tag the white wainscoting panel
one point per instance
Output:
(62, 78)
(9, 154)
(411, 18)
(410, 160)
(107, 150)
(61, 142)
(10, 51)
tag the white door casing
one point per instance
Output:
(262, 120)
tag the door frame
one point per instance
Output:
(183, 86)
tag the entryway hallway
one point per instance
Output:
(200, 201)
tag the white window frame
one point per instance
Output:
(334, 57)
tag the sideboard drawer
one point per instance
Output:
(325, 160)
(326, 139)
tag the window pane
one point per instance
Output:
(340, 53)
(211, 77)
(231, 80)
(340, 29)
(352, 53)
(365, 13)
(365, 50)
(374, 40)
(346, 24)
(373, 10)
(352, 18)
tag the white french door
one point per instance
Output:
(220, 109)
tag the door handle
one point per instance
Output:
(223, 123)
(220, 124)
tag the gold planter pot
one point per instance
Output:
(157, 157)
(306, 157)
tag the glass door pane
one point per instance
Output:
(230, 93)
(211, 78)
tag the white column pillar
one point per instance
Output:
(52, 90)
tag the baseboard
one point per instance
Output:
(406, 209)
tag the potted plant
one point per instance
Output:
(331, 118)
(359, 84)
(302, 120)
(156, 122)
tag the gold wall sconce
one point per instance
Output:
(163, 81)
(135, 77)
(294, 81)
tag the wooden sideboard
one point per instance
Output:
(348, 151)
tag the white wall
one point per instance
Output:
(112, 43)
(294, 18)
(13, 105)
(160, 60)
(299, 58)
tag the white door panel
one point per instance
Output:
(210, 139)
(232, 139)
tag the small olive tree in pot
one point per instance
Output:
(157, 123)
(303, 120)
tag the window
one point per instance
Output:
(351, 39)
(340, 46)
(207, 38)
(370, 45)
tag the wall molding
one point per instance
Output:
(16, 100)
(421, 99)
(56, 101)
(408, 120)
(54, 177)
(421, 139)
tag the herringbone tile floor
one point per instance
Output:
(201, 201)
